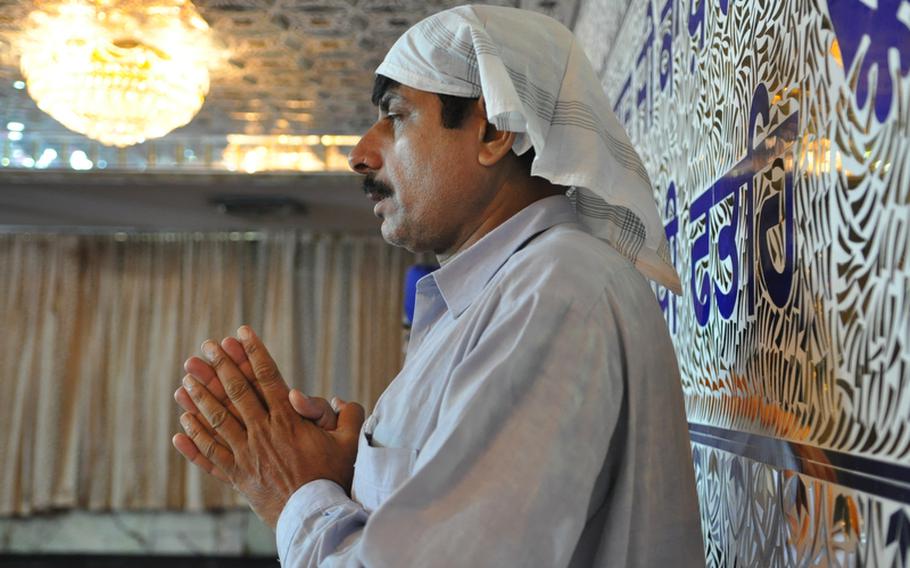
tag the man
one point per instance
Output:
(538, 419)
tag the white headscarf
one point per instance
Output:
(538, 83)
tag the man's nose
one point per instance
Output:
(365, 158)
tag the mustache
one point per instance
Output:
(371, 185)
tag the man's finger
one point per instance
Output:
(186, 403)
(350, 419)
(206, 375)
(314, 408)
(218, 417)
(274, 389)
(183, 399)
(238, 389)
(235, 351)
(205, 444)
(188, 449)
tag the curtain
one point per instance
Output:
(96, 329)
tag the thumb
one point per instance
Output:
(350, 418)
(313, 408)
(301, 403)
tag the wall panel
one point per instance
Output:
(777, 136)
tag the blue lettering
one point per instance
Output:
(666, 299)
(763, 161)
(854, 20)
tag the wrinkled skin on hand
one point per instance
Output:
(248, 429)
(318, 410)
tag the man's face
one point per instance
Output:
(425, 180)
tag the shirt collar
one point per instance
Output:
(463, 278)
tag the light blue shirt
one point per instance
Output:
(538, 421)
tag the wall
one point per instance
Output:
(776, 135)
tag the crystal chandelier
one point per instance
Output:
(117, 71)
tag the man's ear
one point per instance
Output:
(494, 144)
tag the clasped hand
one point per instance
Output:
(249, 429)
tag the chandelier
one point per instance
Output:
(117, 71)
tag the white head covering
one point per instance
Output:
(537, 82)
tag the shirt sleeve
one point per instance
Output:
(506, 478)
(316, 522)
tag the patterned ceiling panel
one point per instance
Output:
(288, 66)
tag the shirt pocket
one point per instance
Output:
(378, 472)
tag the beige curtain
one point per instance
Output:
(96, 329)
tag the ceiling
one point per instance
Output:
(291, 66)
(294, 67)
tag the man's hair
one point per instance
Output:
(454, 110)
